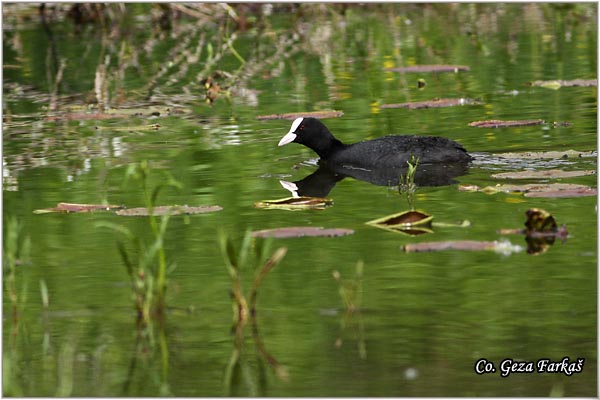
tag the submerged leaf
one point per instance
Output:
(168, 210)
(315, 114)
(430, 68)
(295, 203)
(433, 103)
(550, 174)
(495, 123)
(73, 207)
(300, 231)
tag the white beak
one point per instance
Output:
(291, 136)
(288, 138)
(291, 186)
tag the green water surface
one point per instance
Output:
(425, 319)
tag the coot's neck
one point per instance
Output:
(324, 144)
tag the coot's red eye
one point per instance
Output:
(301, 127)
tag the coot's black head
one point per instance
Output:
(313, 134)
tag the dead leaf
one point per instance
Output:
(80, 208)
(291, 116)
(168, 210)
(410, 222)
(495, 123)
(430, 68)
(503, 247)
(296, 203)
(534, 189)
(544, 174)
(301, 231)
(537, 155)
(584, 192)
(540, 231)
(433, 103)
(557, 84)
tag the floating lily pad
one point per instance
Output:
(495, 123)
(544, 174)
(168, 210)
(557, 84)
(296, 203)
(535, 189)
(301, 231)
(430, 68)
(540, 155)
(503, 247)
(291, 116)
(79, 208)
(433, 103)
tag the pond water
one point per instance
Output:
(424, 319)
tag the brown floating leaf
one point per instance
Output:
(534, 189)
(409, 222)
(556, 84)
(315, 114)
(495, 123)
(73, 207)
(300, 231)
(430, 68)
(539, 220)
(537, 155)
(151, 111)
(83, 116)
(503, 247)
(547, 174)
(295, 203)
(168, 210)
(541, 231)
(433, 103)
(565, 193)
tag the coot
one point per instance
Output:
(384, 152)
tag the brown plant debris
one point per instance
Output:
(168, 210)
(291, 116)
(540, 155)
(535, 189)
(433, 103)
(301, 231)
(557, 84)
(295, 203)
(463, 245)
(495, 123)
(79, 208)
(544, 174)
(430, 68)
